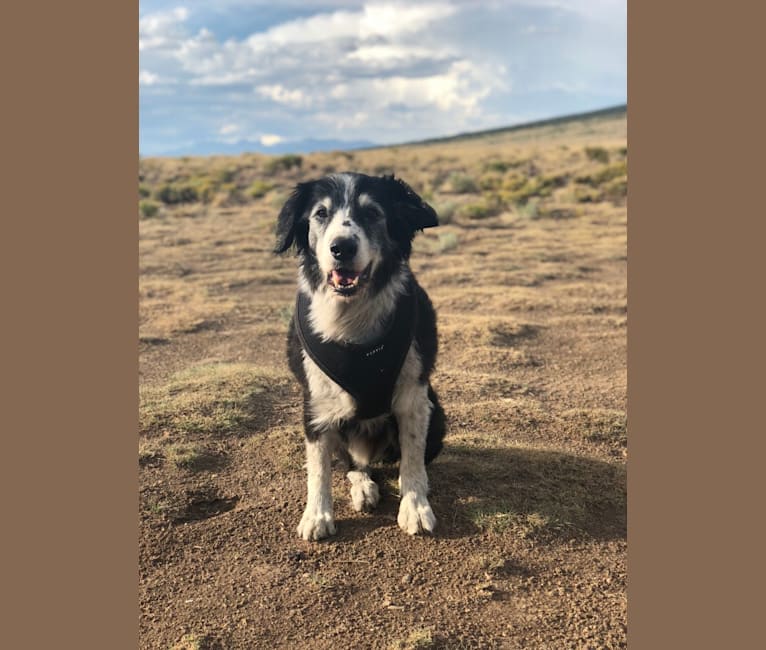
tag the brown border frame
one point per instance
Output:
(70, 316)
(70, 108)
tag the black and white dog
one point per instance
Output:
(362, 342)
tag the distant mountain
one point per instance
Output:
(212, 147)
(310, 145)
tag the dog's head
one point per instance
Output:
(352, 231)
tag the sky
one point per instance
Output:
(252, 75)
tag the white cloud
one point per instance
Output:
(269, 140)
(147, 78)
(283, 95)
(161, 29)
(382, 71)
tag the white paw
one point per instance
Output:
(415, 514)
(316, 524)
(364, 491)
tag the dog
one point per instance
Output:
(362, 342)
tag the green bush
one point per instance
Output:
(480, 209)
(445, 211)
(597, 153)
(605, 174)
(259, 188)
(499, 166)
(148, 208)
(144, 191)
(462, 183)
(286, 163)
(490, 181)
(172, 193)
(226, 175)
(447, 241)
(539, 186)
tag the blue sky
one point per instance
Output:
(254, 75)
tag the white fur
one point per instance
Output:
(364, 491)
(352, 321)
(413, 410)
(317, 521)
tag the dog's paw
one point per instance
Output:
(415, 514)
(316, 525)
(364, 491)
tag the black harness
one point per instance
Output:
(367, 372)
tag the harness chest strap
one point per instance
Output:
(367, 372)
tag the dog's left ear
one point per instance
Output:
(410, 207)
(291, 227)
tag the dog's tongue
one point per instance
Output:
(343, 278)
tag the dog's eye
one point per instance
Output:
(321, 213)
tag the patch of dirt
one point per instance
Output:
(529, 492)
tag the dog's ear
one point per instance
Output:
(292, 228)
(410, 207)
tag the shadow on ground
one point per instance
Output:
(540, 493)
(543, 494)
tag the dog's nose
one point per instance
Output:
(343, 249)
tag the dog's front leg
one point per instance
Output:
(412, 410)
(317, 521)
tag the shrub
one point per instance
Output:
(587, 195)
(499, 166)
(286, 163)
(480, 209)
(447, 241)
(462, 183)
(539, 186)
(226, 175)
(148, 208)
(144, 191)
(605, 174)
(597, 153)
(617, 189)
(259, 188)
(490, 182)
(172, 193)
(445, 211)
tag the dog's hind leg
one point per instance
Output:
(413, 410)
(364, 491)
(317, 521)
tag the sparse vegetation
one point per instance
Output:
(599, 154)
(529, 492)
(172, 193)
(283, 163)
(459, 183)
(260, 188)
(445, 211)
(209, 398)
(448, 241)
(148, 208)
(419, 639)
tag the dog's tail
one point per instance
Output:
(437, 427)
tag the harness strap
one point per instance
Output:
(367, 372)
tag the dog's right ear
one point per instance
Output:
(292, 227)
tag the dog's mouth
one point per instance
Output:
(347, 282)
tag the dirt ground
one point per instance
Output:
(528, 277)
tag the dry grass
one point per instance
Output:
(419, 639)
(217, 398)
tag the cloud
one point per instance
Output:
(269, 140)
(161, 29)
(387, 71)
(147, 78)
